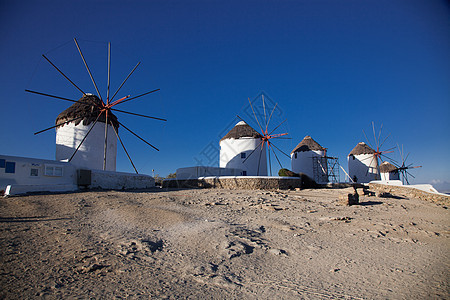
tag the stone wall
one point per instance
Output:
(239, 182)
(410, 192)
(120, 181)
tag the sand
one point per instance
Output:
(222, 244)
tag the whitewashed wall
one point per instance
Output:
(304, 164)
(32, 174)
(90, 155)
(364, 167)
(230, 156)
(387, 176)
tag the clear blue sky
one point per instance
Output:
(332, 66)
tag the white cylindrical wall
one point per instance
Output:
(90, 154)
(302, 162)
(386, 176)
(364, 167)
(230, 155)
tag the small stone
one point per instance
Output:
(335, 270)
(349, 199)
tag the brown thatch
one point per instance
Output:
(87, 107)
(387, 167)
(361, 148)
(241, 130)
(308, 144)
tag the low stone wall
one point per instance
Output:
(410, 192)
(120, 181)
(236, 182)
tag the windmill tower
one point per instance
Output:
(87, 132)
(362, 165)
(389, 172)
(90, 154)
(236, 148)
(309, 157)
(363, 160)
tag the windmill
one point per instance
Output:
(96, 109)
(267, 135)
(378, 154)
(404, 167)
(363, 160)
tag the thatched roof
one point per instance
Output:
(361, 148)
(87, 107)
(307, 144)
(387, 167)
(241, 130)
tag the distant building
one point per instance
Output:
(309, 157)
(241, 148)
(389, 172)
(362, 164)
(68, 136)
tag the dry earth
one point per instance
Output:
(222, 244)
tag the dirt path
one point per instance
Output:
(222, 244)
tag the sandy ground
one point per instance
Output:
(222, 244)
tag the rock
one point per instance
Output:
(384, 195)
(277, 251)
(349, 199)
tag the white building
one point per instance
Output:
(309, 157)
(236, 149)
(19, 175)
(25, 174)
(363, 164)
(91, 153)
(389, 172)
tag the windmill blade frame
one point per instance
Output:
(102, 107)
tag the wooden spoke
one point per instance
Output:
(109, 73)
(262, 131)
(135, 114)
(64, 75)
(125, 81)
(125, 149)
(87, 68)
(132, 98)
(90, 129)
(138, 136)
(58, 125)
(252, 152)
(272, 144)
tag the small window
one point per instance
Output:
(295, 155)
(243, 154)
(53, 171)
(48, 171)
(58, 171)
(2, 163)
(244, 173)
(10, 167)
(34, 172)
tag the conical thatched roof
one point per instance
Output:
(87, 107)
(307, 144)
(361, 148)
(387, 167)
(241, 130)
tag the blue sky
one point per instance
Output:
(333, 67)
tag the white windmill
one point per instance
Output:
(87, 132)
(309, 157)
(364, 161)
